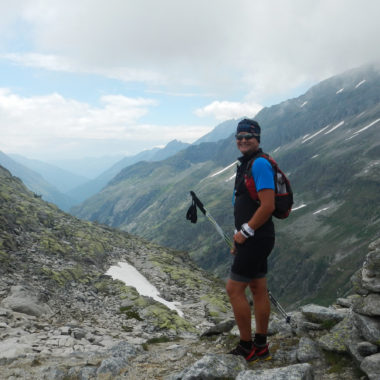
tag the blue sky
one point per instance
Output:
(95, 77)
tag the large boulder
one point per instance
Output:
(371, 268)
(371, 366)
(337, 338)
(368, 327)
(368, 305)
(27, 300)
(293, 372)
(321, 314)
(308, 350)
(213, 366)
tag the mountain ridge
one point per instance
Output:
(314, 154)
(36, 182)
(62, 317)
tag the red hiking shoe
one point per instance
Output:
(259, 353)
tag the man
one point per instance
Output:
(254, 240)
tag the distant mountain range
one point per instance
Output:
(36, 182)
(45, 178)
(327, 140)
(60, 178)
(220, 132)
(92, 187)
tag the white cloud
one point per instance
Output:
(249, 50)
(56, 125)
(62, 63)
(228, 110)
(259, 47)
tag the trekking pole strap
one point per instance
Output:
(198, 202)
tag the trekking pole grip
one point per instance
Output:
(198, 202)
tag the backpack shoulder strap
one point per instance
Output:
(259, 154)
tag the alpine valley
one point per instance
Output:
(63, 316)
(327, 141)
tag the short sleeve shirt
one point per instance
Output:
(262, 173)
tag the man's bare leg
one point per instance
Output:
(261, 301)
(240, 307)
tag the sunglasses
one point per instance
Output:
(246, 136)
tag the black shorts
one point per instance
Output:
(250, 261)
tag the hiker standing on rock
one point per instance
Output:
(253, 242)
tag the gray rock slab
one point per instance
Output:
(119, 356)
(219, 328)
(371, 366)
(214, 366)
(369, 327)
(307, 350)
(87, 373)
(366, 348)
(279, 326)
(293, 372)
(25, 300)
(111, 366)
(347, 302)
(371, 269)
(124, 349)
(11, 349)
(368, 305)
(319, 314)
(337, 338)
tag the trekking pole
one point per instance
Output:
(211, 219)
(192, 216)
(279, 307)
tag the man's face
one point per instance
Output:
(247, 145)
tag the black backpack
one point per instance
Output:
(283, 190)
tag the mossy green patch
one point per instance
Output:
(61, 277)
(337, 362)
(216, 304)
(166, 319)
(130, 313)
(4, 257)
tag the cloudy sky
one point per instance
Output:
(104, 77)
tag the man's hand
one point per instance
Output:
(239, 238)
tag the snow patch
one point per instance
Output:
(231, 178)
(298, 207)
(132, 277)
(360, 114)
(223, 170)
(315, 156)
(304, 104)
(363, 129)
(340, 91)
(322, 209)
(335, 127)
(315, 134)
(360, 83)
(370, 166)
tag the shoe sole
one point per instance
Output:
(259, 359)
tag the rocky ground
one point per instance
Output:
(338, 342)
(62, 318)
